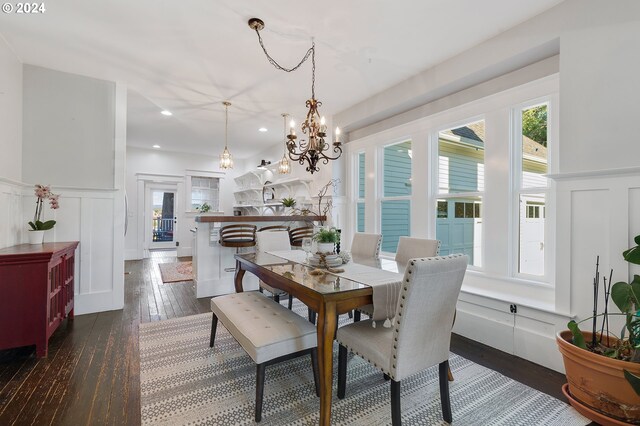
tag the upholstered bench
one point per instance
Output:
(267, 331)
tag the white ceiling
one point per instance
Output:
(188, 57)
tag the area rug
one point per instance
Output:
(184, 382)
(175, 272)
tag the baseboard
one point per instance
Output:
(95, 302)
(132, 254)
(184, 251)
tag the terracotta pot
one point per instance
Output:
(598, 381)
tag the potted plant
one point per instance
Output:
(326, 239)
(288, 204)
(36, 233)
(603, 370)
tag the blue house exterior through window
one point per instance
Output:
(395, 207)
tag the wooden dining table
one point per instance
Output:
(328, 295)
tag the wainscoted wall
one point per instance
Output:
(12, 223)
(598, 215)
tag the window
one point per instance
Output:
(531, 187)
(395, 204)
(460, 188)
(205, 190)
(360, 192)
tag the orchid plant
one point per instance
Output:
(43, 192)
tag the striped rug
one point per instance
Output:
(184, 382)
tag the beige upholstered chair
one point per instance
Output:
(273, 241)
(408, 248)
(365, 246)
(421, 335)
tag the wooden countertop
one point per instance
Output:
(238, 219)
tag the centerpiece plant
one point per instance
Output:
(326, 239)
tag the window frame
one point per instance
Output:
(517, 189)
(435, 151)
(380, 197)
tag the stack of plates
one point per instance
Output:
(332, 260)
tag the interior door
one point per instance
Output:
(163, 219)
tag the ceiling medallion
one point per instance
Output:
(314, 149)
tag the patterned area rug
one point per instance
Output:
(175, 272)
(184, 382)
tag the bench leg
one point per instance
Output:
(356, 315)
(316, 372)
(259, 390)
(290, 302)
(342, 371)
(214, 326)
(276, 298)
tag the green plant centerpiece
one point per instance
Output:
(204, 208)
(603, 369)
(326, 239)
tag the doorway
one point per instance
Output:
(163, 218)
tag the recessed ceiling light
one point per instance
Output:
(156, 146)
(262, 129)
(165, 112)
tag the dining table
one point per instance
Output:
(327, 294)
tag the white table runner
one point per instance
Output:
(385, 284)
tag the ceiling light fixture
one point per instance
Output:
(262, 129)
(226, 162)
(156, 146)
(315, 149)
(165, 112)
(284, 168)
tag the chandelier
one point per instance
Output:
(284, 167)
(314, 149)
(226, 162)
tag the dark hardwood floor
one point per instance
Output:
(91, 376)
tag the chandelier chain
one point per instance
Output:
(311, 51)
(226, 123)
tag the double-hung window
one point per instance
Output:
(531, 186)
(395, 200)
(460, 189)
(360, 166)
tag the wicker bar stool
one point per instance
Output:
(274, 228)
(296, 235)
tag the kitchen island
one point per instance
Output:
(214, 265)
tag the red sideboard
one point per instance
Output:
(36, 292)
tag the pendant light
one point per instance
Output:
(226, 162)
(284, 167)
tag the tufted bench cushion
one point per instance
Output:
(265, 329)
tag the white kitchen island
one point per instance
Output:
(214, 265)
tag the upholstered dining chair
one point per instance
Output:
(366, 246)
(271, 241)
(408, 248)
(421, 335)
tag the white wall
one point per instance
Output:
(598, 183)
(169, 167)
(69, 136)
(11, 220)
(74, 140)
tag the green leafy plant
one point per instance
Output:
(204, 208)
(626, 297)
(327, 235)
(288, 202)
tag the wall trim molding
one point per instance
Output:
(595, 173)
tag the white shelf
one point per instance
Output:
(255, 189)
(290, 181)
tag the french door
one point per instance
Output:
(163, 218)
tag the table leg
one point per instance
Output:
(237, 277)
(326, 329)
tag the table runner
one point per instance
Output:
(385, 284)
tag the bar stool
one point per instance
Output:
(296, 235)
(274, 228)
(238, 235)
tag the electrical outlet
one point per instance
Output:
(513, 308)
(177, 243)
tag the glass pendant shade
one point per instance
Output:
(284, 167)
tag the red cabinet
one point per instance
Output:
(36, 292)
